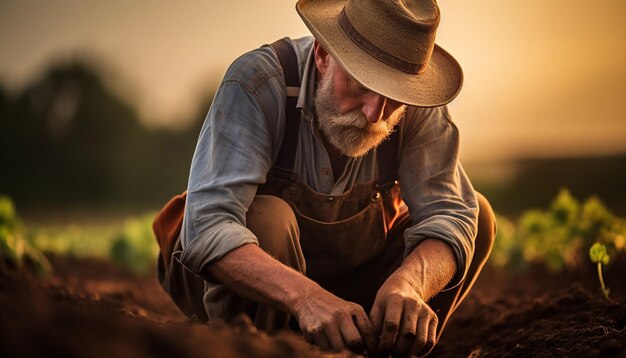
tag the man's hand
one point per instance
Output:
(405, 323)
(324, 318)
(332, 323)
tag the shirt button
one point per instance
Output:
(325, 171)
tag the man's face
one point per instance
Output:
(353, 119)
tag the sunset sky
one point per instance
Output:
(542, 78)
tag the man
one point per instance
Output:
(303, 217)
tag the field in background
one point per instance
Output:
(87, 306)
(557, 236)
(128, 243)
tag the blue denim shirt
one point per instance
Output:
(240, 140)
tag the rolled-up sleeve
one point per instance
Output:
(232, 158)
(436, 189)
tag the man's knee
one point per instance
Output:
(486, 234)
(273, 222)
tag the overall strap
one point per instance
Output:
(387, 158)
(289, 62)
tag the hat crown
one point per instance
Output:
(387, 46)
(400, 33)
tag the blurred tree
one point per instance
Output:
(67, 139)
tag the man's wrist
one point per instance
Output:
(429, 267)
(408, 276)
(298, 298)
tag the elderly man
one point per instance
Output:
(326, 188)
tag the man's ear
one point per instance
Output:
(322, 58)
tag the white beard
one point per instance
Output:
(351, 133)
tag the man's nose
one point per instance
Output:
(373, 107)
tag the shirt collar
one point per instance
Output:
(307, 89)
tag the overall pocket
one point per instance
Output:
(341, 246)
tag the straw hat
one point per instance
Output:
(388, 46)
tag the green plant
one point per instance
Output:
(558, 237)
(134, 246)
(551, 236)
(599, 256)
(507, 250)
(128, 243)
(14, 250)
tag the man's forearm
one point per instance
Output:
(324, 318)
(252, 273)
(429, 267)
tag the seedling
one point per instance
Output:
(599, 256)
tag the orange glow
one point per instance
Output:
(541, 79)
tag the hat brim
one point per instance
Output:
(437, 85)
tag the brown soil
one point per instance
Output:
(538, 314)
(90, 308)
